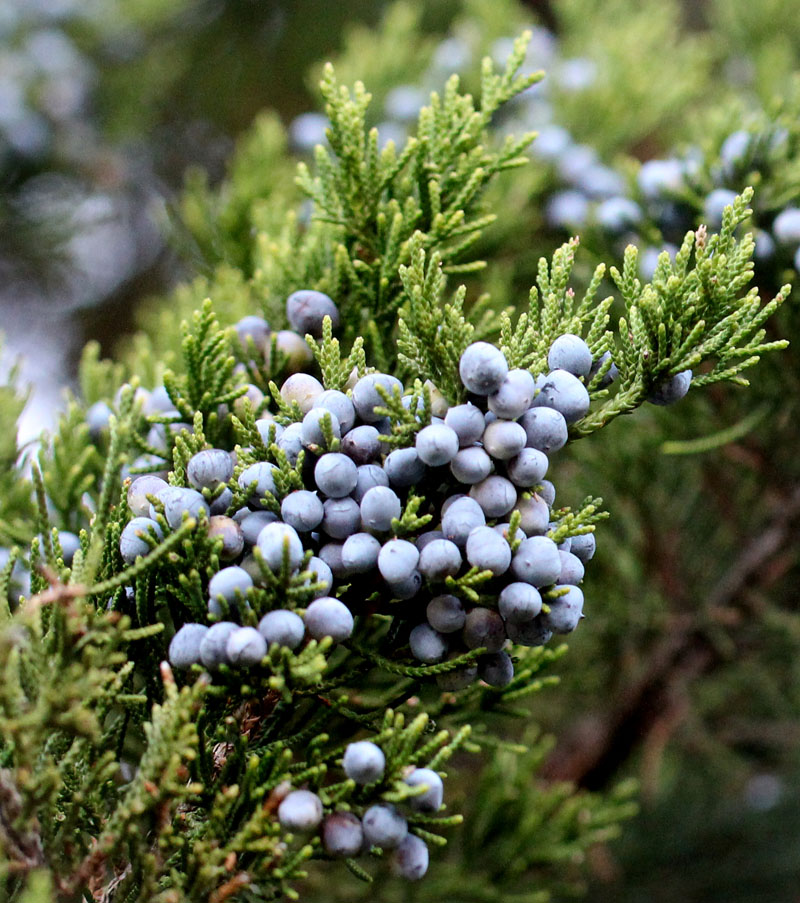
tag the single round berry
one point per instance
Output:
(342, 835)
(290, 442)
(307, 309)
(545, 429)
(259, 479)
(471, 465)
(496, 669)
(335, 475)
(253, 523)
(70, 544)
(360, 553)
(179, 502)
(379, 507)
(534, 515)
(566, 610)
(496, 496)
(369, 475)
(658, 178)
(504, 439)
(484, 628)
(384, 827)
(279, 542)
(302, 388)
(361, 444)
(331, 555)
(786, 226)
(252, 330)
(529, 633)
(609, 376)
(446, 614)
(514, 396)
(457, 679)
(616, 215)
(572, 570)
(293, 353)
(408, 587)
(547, 492)
(341, 518)
(282, 627)
(583, 546)
(431, 799)
(537, 561)
(404, 467)
(528, 468)
(715, 203)
(184, 648)
(482, 368)
(321, 574)
(460, 519)
(426, 644)
(221, 503)
(397, 560)
(214, 645)
(329, 617)
(366, 396)
(231, 534)
(569, 352)
(315, 422)
(245, 647)
(301, 811)
(564, 392)
(488, 551)
(436, 444)
(439, 559)
(140, 488)
(672, 390)
(97, 419)
(567, 209)
(340, 406)
(302, 510)
(208, 468)
(364, 762)
(132, 543)
(229, 583)
(519, 602)
(467, 421)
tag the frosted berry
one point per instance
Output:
(131, 542)
(569, 352)
(361, 444)
(519, 602)
(672, 390)
(228, 583)
(277, 540)
(460, 519)
(179, 502)
(364, 762)
(302, 388)
(313, 427)
(302, 510)
(566, 610)
(439, 559)
(214, 645)
(259, 478)
(482, 368)
(514, 396)
(300, 810)
(369, 475)
(253, 330)
(397, 560)
(426, 644)
(467, 421)
(545, 429)
(436, 444)
(471, 465)
(366, 396)
(529, 633)
(231, 534)
(253, 523)
(379, 507)
(431, 799)
(340, 405)
(184, 648)
(786, 226)
(504, 439)
(208, 468)
(306, 310)
(564, 392)
(528, 467)
(282, 627)
(534, 515)
(360, 553)
(140, 488)
(484, 628)
(384, 827)
(496, 496)
(329, 617)
(583, 546)
(446, 614)
(488, 550)
(341, 518)
(342, 835)
(404, 467)
(572, 570)
(496, 669)
(321, 574)
(537, 561)
(335, 475)
(245, 647)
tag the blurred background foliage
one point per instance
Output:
(147, 159)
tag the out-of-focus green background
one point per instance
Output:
(685, 674)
